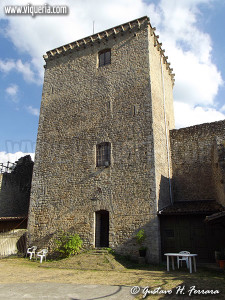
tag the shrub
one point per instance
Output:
(68, 244)
(140, 237)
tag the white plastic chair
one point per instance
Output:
(31, 251)
(182, 258)
(41, 254)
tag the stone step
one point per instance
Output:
(99, 251)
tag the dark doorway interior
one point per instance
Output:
(102, 228)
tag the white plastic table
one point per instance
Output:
(172, 255)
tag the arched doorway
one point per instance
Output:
(102, 228)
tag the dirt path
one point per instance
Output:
(105, 271)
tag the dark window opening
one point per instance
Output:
(104, 57)
(103, 154)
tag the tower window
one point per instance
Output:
(104, 57)
(103, 154)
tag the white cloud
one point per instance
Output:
(17, 65)
(179, 23)
(186, 115)
(7, 66)
(190, 53)
(12, 92)
(32, 110)
(13, 157)
(223, 108)
(196, 82)
(189, 48)
(25, 69)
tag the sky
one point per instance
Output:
(191, 31)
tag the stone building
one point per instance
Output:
(105, 141)
(198, 164)
(15, 185)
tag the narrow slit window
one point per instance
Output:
(109, 106)
(134, 110)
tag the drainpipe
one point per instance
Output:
(167, 139)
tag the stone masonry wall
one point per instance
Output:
(192, 149)
(163, 121)
(83, 105)
(161, 86)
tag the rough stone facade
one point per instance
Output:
(197, 167)
(128, 104)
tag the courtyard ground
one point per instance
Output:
(106, 269)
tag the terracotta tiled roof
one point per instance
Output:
(192, 207)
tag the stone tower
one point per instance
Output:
(102, 164)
